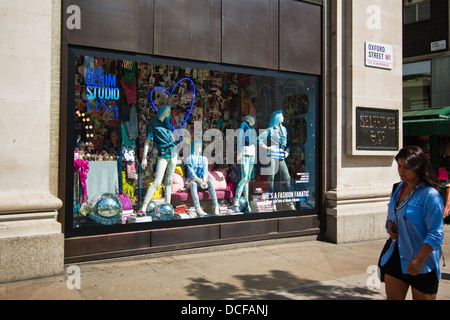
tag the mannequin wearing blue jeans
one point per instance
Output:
(246, 154)
(197, 173)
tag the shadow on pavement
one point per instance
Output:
(273, 287)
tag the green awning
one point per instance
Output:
(432, 121)
(427, 113)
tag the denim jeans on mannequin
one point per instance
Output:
(246, 173)
(167, 166)
(194, 191)
(284, 174)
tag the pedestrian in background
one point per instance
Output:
(415, 225)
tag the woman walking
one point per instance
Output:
(415, 223)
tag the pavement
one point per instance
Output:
(288, 269)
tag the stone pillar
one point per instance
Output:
(359, 182)
(31, 239)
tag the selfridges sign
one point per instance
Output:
(377, 129)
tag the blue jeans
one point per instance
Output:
(246, 173)
(195, 186)
(161, 166)
(284, 174)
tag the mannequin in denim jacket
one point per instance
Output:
(197, 173)
(161, 134)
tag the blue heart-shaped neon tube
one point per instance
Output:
(170, 94)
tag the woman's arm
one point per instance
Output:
(415, 265)
(435, 232)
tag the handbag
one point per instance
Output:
(387, 245)
(124, 199)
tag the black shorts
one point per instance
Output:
(426, 283)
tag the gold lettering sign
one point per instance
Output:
(376, 129)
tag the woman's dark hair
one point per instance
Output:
(419, 163)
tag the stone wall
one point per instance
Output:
(359, 182)
(31, 241)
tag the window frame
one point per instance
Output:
(70, 231)
(416, 5)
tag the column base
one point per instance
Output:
(356, 218)
(32, 246)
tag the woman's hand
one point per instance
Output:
(414, 267)
(392, 230)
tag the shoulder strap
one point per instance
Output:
(394, 187)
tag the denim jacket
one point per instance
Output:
(197, 166)
(419, 221)
(247, 136)
(273, 139)
(161, 135)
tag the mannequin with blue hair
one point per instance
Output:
(278, 150)
(197, 174)
(160, 132)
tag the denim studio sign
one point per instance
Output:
(102, 88)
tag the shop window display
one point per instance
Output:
(157, 142)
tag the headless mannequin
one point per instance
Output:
(165, 165)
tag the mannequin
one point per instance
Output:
(278, 150)
(246, 155)
(197, 173)
(160, 132)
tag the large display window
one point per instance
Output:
(160, 143)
